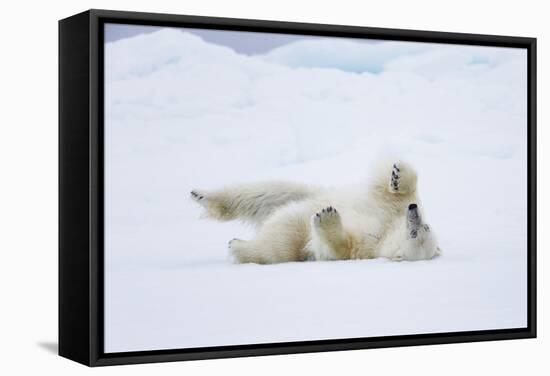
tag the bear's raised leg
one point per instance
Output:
(402, 179)
(394, 180)
(328, 238)
(250, 202)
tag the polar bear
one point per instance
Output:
(297, 222)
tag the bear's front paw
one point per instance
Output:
(327, 217)
(395, 176)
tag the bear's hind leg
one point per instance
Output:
(258, 252)
(243, 252)
(281, 239)
(253, 202)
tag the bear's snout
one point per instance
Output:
(413, 221)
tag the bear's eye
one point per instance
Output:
(426, 228)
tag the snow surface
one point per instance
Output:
(182, 114)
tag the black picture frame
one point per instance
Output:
(81, 182)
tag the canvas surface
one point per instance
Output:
(183, 112)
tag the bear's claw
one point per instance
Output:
(326, 216)
(394, 181)
(197, 196)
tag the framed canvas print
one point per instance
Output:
(234, 187)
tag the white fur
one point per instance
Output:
(297, 223)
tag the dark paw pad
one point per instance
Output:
(197, 196)
(394, 182)
(326, 215)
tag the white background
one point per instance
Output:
(28, 206)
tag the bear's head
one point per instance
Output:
(420, 242)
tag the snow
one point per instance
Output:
(181, 113)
